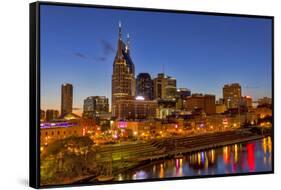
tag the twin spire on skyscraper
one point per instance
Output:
(121, 43)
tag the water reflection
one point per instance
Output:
(238, 158)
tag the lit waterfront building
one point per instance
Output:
(66, 98)
(65, 126)
(205, 102)
(52, 115)
(144, 85)
(145, 128)
(165, 87)
(231, 95)
(221, 121)
(94, 106)
(50, 132)
(123, 77)
(135, 109)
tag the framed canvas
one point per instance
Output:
(121, 95)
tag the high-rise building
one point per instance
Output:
(232, 95)
(51, 115)
(95, 106)
(66, 98)
(144, 86)
(170, 88)
(123, 77)
(165, 87)
(158, 86)
(205, 102)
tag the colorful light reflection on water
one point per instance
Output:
(254, 156)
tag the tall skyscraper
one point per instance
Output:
(165, 87)
(144, 86)
(123, 77)
(232, 95)
(94, 106)
(66, 98)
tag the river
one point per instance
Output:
(253, 156)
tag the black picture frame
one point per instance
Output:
(34, 90)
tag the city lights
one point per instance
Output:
(149, 118)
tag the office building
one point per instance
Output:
(52, 115)
(144, 86)
(205, 102)
(94, 106)
(135, 109)
(232, 95)
(123, 76)
(210, 104)
(165, 87)
(181, 95)
(66, 98)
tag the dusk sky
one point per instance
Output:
(202, 52)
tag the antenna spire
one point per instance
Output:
(128, 43)
(119, 46)
(119, 27)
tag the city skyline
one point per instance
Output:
(128, 95)
(86, 60)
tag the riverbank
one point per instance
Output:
(170, 147)
(246, 157)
